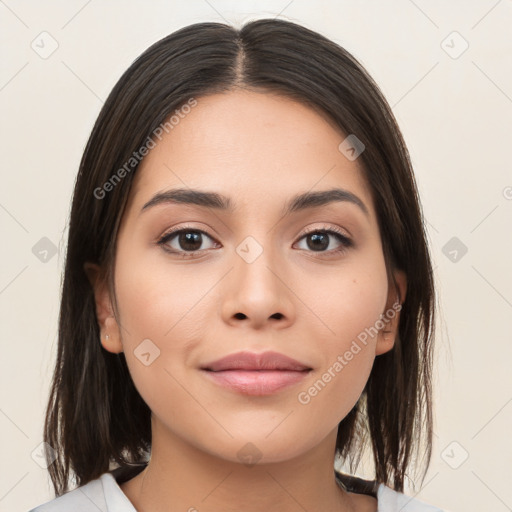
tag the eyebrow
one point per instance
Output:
(220, 202)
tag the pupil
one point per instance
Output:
(317, 237)
(190, 241)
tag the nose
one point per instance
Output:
(258, 293)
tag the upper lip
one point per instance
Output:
(252, 361)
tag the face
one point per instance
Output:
(308, 283)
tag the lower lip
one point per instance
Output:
(257, 382)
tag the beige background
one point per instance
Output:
(455, 109)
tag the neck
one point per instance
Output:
(181, 476)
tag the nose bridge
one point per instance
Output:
(257, 249)
(255, 263)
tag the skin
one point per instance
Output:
(260, 150)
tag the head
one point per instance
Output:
(214, 109)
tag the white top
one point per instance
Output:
(105, 495)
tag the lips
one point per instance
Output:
(256, 374)
(252, 361)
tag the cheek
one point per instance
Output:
(155, 297)
(350, 307)
(161, 306)
(351, 300)
(337, 384)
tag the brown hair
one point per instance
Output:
(96, 420)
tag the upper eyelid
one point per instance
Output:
(334, 229)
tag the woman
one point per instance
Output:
(248, 291)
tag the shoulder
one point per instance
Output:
(92, 497)
(390, 500)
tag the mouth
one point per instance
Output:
(256, 373)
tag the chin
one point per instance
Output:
(257, 449)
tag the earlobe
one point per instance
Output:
(111, 340)
(110, 337)
(390, 319)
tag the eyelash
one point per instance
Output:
(346, 242)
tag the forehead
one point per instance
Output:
(256, 148)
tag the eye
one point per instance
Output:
(319, 240)
(185, 241)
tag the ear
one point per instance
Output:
(110, 337)
(390, 318)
